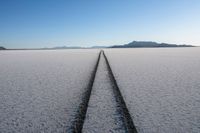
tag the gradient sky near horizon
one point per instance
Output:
(50, 23)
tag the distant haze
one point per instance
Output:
(51, 23)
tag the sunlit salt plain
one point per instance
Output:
(41, 90)
(161, 87)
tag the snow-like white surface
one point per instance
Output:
(161, 87)
(102, 114)
(41, 90)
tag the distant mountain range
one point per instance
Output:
(134, 44)
(2, 48)
(76, 47)
(148, 44)
(65, 47)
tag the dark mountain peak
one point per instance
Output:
(2, 48)
(147, 44)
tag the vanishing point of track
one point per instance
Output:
(77, 124)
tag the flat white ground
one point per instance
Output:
(102, 114)
(40, 90)
(161, 87)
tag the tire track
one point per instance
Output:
(122, 108)
(77, 124)
(103, 114)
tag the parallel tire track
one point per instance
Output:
(77, 124)
(123, 110)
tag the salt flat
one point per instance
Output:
(41, 90)
(161, 87)
(103, 113)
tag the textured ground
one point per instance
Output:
(40, 90)
(161, 87)
(102, 115)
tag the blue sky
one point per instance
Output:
(49, 23)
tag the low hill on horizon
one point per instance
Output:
(148, 44)
(2, 48)
(134, 44)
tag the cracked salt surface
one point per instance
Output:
(41, 90)
(102, 115)
(161, 87)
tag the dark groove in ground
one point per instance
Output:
(123, 110)
(77, 124)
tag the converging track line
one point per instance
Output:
(105, 101)
(123, 110)
(77, 124)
